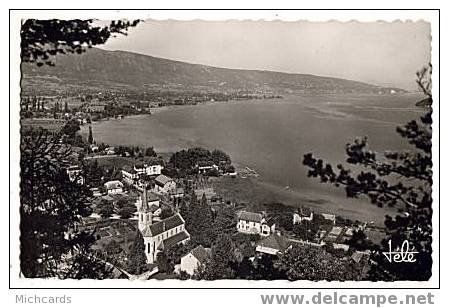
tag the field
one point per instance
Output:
(45, 123)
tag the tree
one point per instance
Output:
(401, 179)
(314, 263)
(359, 241)
(50, 206)
(137, 259)
(219, 157)
(105, 209)
(166, 212)
(199, 222)
(113, 248)
(93, 173)
(222, 260)
(90, 138)
(150, 152)
(43, 39)
(126, 212)
(163, 262)
(306, 230)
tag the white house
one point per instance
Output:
(302, 214)
(162, 234)
(330, 217)
(191, 261)
(110, 151)
(130, 175)
(94, 148)
(206, 166)
(153, 168)
(274, 244)
(254, 223)
(74, 173)
(114, 187)
(164, 184)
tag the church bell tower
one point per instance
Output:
(145, 214)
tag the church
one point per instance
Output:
(161, 234)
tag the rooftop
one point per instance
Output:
(201, 254)
(163, 225)
(275, 241)
(129, 169)
(113, 184)
(250, 216)
(171, 241)
(162, 179)
(304, 211)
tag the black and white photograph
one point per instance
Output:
(199, 150)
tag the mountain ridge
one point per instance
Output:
(124, 69)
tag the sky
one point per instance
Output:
(386, 54)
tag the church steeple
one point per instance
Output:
(145, 214)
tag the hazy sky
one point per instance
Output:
(380, 53)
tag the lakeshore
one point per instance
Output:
(273, 145)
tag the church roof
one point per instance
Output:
(163, 225)
(175, 239)
(152, 197)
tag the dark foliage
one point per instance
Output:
(50, 207)
(42, 40)
(137, 259)
(398, 179)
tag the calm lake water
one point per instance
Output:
(272, 135)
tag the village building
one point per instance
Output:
(110, 151)
(194, 259)
(153, 167)
(74, 173)
(177, 193)
(97, 107)
(159, 235)
(114, 187)
(130, 175)
(206, 166)
(302, 214)
(94, 148)
(330, 217)
(274, 244)
(164, 184)
(255, 223)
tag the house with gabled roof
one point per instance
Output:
(159, 235)
(114, 187)
(255, 223)
(130, 175)
(164, 184)
(274, 244)
(194, 259)
(302, 214)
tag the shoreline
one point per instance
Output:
(256, 192)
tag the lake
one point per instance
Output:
(271, 136)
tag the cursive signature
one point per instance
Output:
(402, 255)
